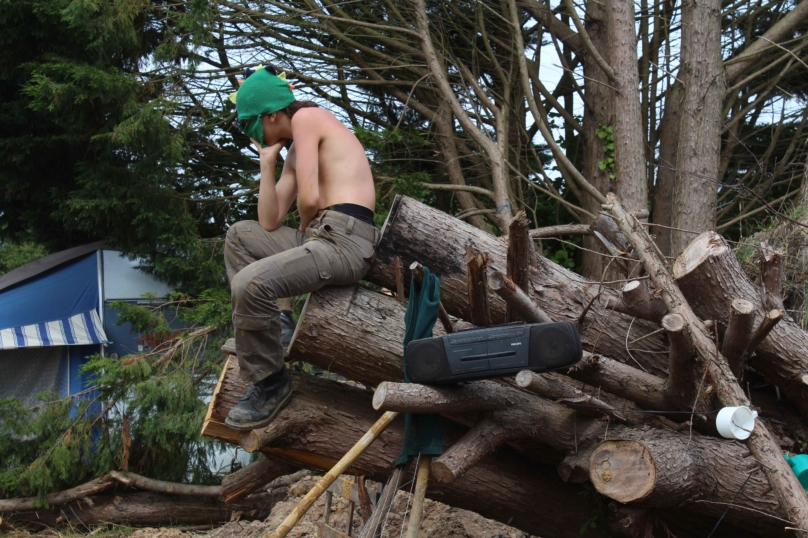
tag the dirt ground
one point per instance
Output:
(440, 521)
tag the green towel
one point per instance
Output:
(422, 433)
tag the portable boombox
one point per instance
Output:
(492, 352)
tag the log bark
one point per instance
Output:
(520, 304)
(417, 232)
(465, 398)
(772, 271)
(738, 334)
(709, 275)
(251, 478)
(789, 492)
(477, 266)
(521, 256)
(558, 391)
(666, 469)
(642, 303)
(325, 418)
(149, 509)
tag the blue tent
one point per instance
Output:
(52, 317)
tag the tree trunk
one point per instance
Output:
(699, 147)
(710, 276)
(598, 115)
(629, 139)
(417, 232)
(149, 509)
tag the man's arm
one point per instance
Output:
(274, 199)
(307, 134)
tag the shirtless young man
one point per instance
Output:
(327, 170)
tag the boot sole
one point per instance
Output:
(259, 423)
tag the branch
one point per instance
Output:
(465, 188)
(590, 47)
(564, 229)
(783, 28)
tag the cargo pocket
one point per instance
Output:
(248, 329)
(322, 260)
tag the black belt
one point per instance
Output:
(356, 211)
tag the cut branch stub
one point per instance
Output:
(772, 270)
(738, 334)
(236, 486)
(768, 323)
(485, 437)
(681, 380)
(642, 303)
(417, 271)
(521, 256)
(517, 300)
(477, 264)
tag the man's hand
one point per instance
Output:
(270, 152)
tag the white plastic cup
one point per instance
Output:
(735, 422)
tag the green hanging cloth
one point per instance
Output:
(422, 433)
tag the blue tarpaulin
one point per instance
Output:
(58, 294)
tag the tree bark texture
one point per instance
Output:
(598, 114)
(417, 232)
(149, 509)
(699, 146)
(251, 478)
(629, 139)
(710, 276)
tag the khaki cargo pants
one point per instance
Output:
(335, 249)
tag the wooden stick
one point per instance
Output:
(771, 319)
(738, 334)
(417, 271)
(477, 268)
(343, 464)
(516, 298)
(417, 513)
(399, 279)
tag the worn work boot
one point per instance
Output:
(288, 326)
(262, 402)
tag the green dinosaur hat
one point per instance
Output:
(262, 92)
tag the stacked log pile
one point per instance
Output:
(677, 341)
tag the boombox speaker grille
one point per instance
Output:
(553, 344)
(429, 358)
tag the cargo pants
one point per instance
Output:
(335, 249)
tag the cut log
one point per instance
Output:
(642, 303)
(666, 469)
(417, 232)
(325, 418)
(708, 273)
(149, 510)
(251, 478)
(738, 334)
(681, 386)
(465, 398)
(789, 492)
(556, 390)
(646, 390)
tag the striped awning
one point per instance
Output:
(78, 330)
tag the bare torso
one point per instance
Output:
(343, 170)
